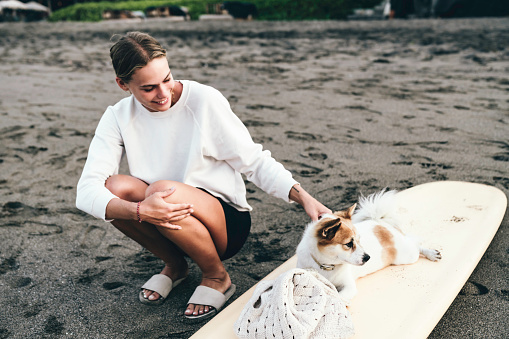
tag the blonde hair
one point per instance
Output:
(133, 51)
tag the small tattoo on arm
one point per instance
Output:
(293, 187)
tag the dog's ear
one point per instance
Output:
(329, 228)
(350, 211)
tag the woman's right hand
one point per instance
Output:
(155, 210)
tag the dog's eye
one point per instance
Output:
(349, 245)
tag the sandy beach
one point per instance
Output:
(348, 107)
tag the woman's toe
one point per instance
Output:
(189, 310)
(153, 296)
(197, 309)
(150, 295)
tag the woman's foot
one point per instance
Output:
(173, 274)
(221, 284)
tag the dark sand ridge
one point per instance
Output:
(348, 107)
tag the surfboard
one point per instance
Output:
(458, 218)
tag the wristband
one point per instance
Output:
(138, 212)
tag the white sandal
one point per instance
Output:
(160, 283)
(207, 296)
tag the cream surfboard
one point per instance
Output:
(458, 218)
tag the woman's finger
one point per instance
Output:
(181, 212)
(182, 207)
(171, 226)
(167, 193)
(179, 217)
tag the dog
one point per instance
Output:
(347, 245)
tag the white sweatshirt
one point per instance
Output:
(199, 141)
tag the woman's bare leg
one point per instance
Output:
(202, 236)
(145, 234)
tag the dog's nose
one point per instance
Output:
(365, 257)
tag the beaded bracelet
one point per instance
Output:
(138, 212)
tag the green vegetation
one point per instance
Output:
(92, 11)
(267, 9)
(309, 9)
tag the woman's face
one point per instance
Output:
(152, 85)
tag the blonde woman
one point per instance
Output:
(185, 195)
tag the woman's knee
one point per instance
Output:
(159, 186)
(126, 187)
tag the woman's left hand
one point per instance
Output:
(313, 207)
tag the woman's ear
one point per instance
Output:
(122, 84)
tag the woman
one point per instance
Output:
(185, 195)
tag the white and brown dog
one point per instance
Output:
(345, 245)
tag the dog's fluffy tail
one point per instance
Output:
(380, 206)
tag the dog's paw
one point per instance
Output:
(346, 301)
(433, 255)
(438, 255)
(346, 295)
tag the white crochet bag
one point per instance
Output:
(298, 304)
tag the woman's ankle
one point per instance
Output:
(176, 272)
(220, 280)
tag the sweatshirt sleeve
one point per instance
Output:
(102, 162)
(230, 141)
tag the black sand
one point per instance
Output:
(348, 107)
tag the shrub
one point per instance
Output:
(267, 9)
(92, 11)
(309, 9)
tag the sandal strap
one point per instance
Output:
(160, 283)
(207, 296)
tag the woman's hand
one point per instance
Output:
(313, 207)
(155, 210)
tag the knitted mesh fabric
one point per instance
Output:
(297, 304)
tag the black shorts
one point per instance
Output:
(238, 225)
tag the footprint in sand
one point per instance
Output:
(303, 136)
(43, 229)
(501, 156)
(473, 288)
(31, 311)
(19, 209)
(91, 236)
(17, 282)
(315, 156)
(89, 275)
(261, 107)
(53, 326)
(145, 263)
(10, 263)
(257, 123)
(302, 169)
(112, 285)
